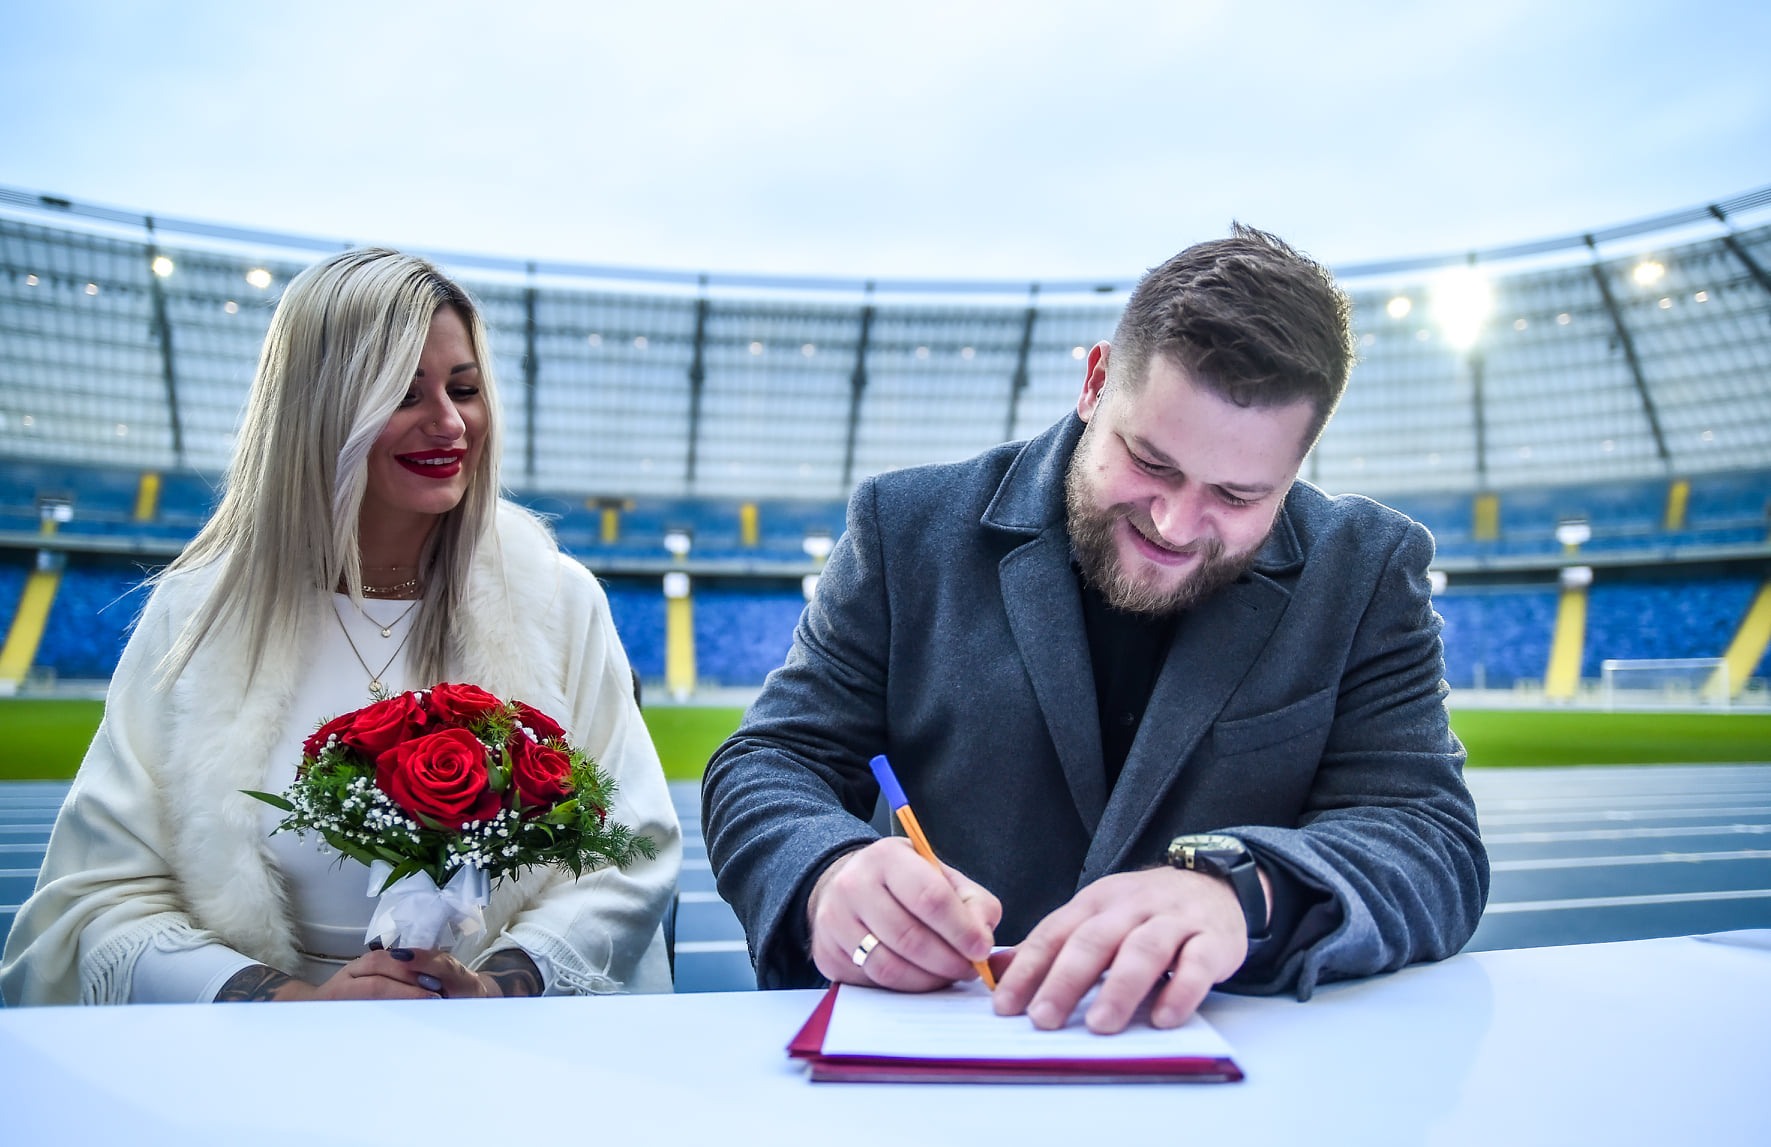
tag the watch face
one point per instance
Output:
(1206, 852)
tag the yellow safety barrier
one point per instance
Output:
(1562, 677)
(1748, 647)
(147, 497)
(1485, 517)
(1678, 499)
(679, 646)
(26, 634)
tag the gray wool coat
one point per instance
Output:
(1301, 709)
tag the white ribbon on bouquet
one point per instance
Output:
(415, 913)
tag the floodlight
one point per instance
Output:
(1438, 580)
(808, 585)
(1462, 302)
(1574, 531)
(678, 541)
(676, 584)
(1576, 577)
(258, 277)
(1648, 272)
(163, 266)
(1399, 307)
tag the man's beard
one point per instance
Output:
(1094, 545)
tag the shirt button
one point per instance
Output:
(1128, 719)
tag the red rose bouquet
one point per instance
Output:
(442, 791)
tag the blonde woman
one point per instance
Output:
(360, 549)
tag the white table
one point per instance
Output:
(1650, 1041)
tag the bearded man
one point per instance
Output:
(1167, 713)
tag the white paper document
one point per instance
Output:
(958, 1023)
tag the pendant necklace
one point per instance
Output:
(388, 629)
(377, 691)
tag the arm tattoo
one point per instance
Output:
(514, 972)
(251, 984)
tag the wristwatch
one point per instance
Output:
(1225, 857)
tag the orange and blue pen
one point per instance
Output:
(894, 795)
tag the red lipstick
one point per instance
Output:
(437, 464)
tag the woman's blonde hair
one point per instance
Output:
(337, 362)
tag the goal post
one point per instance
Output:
(1665, 681)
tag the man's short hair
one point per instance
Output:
(1249, 318)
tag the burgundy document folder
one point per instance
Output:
(808, 1045)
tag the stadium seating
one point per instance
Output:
(94, 608)
(1496, 638)
(1664, 619)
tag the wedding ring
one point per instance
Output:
(864, 949)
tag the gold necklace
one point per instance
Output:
(377, 691)
(397, 587)
(388, 629)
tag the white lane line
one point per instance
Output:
(1622, 833)
(1636, 858)
(1624, 814)
(700, 897)
(708, 947)
(36, 848)
(1614, 800)
(1629, 901)
(17, 872)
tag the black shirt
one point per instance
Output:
(1127, 651)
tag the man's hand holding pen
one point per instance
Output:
(928, 927)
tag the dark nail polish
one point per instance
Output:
(429, 982)
(376, 945)
(402, 954)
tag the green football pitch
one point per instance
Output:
(45, 739)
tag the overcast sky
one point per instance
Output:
(895, 139)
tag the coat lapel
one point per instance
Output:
(1045, 614)
(1044, 609)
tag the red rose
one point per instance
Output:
(440, 775)
(460, 704)
(375, 729)
(336, 726)
(544, 727)
(541, 776)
